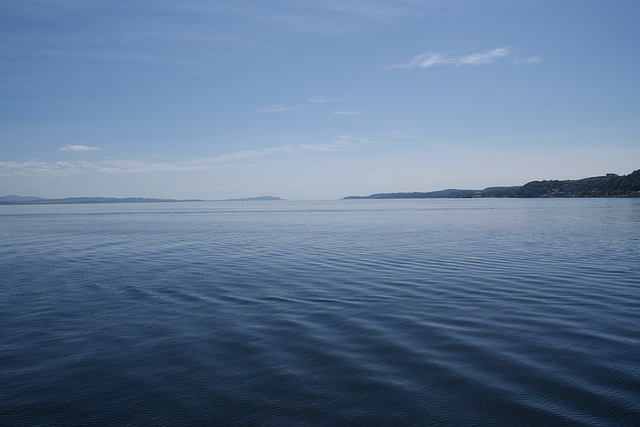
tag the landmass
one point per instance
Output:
(609, 185)
(31, 200)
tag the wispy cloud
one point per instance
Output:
(348, 113)
(320, 99)
(278, 108)
(144, 166)
(432, 59)
(39, 168)
(483, 57)
(340, 143)
(79, 148)
(323, 99)
(531, 60)
(184, 36)
(399, 134)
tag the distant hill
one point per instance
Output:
(451, 193)
(610, 185)
(17, 200)
(14, 198)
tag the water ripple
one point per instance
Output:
(433, 312)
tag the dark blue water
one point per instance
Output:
(364, 312)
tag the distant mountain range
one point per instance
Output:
(610, 185)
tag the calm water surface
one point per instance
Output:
(360, 312)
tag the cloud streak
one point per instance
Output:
(531, 60)
(53, 169)
(339, 144)
(431, 59)
(322, 99)
(79, 148)
(348, 113)
(314, 100)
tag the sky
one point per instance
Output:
(313, 99)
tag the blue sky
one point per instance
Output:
(313, 99)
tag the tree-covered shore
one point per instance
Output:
(610, 185)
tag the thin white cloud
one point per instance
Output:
(336, 145)
(348, 113)
(339, 144)
(431, 59)
(63, 168)
(278, 108)
(399, 134)
(79, 148)
(143, 166)
(531, 60)
(37, 168)
(483, 57)
(322, 99)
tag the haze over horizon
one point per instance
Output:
(313, 100)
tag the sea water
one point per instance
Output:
(350, 312)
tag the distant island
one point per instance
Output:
(610, 185)
(32, 200)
